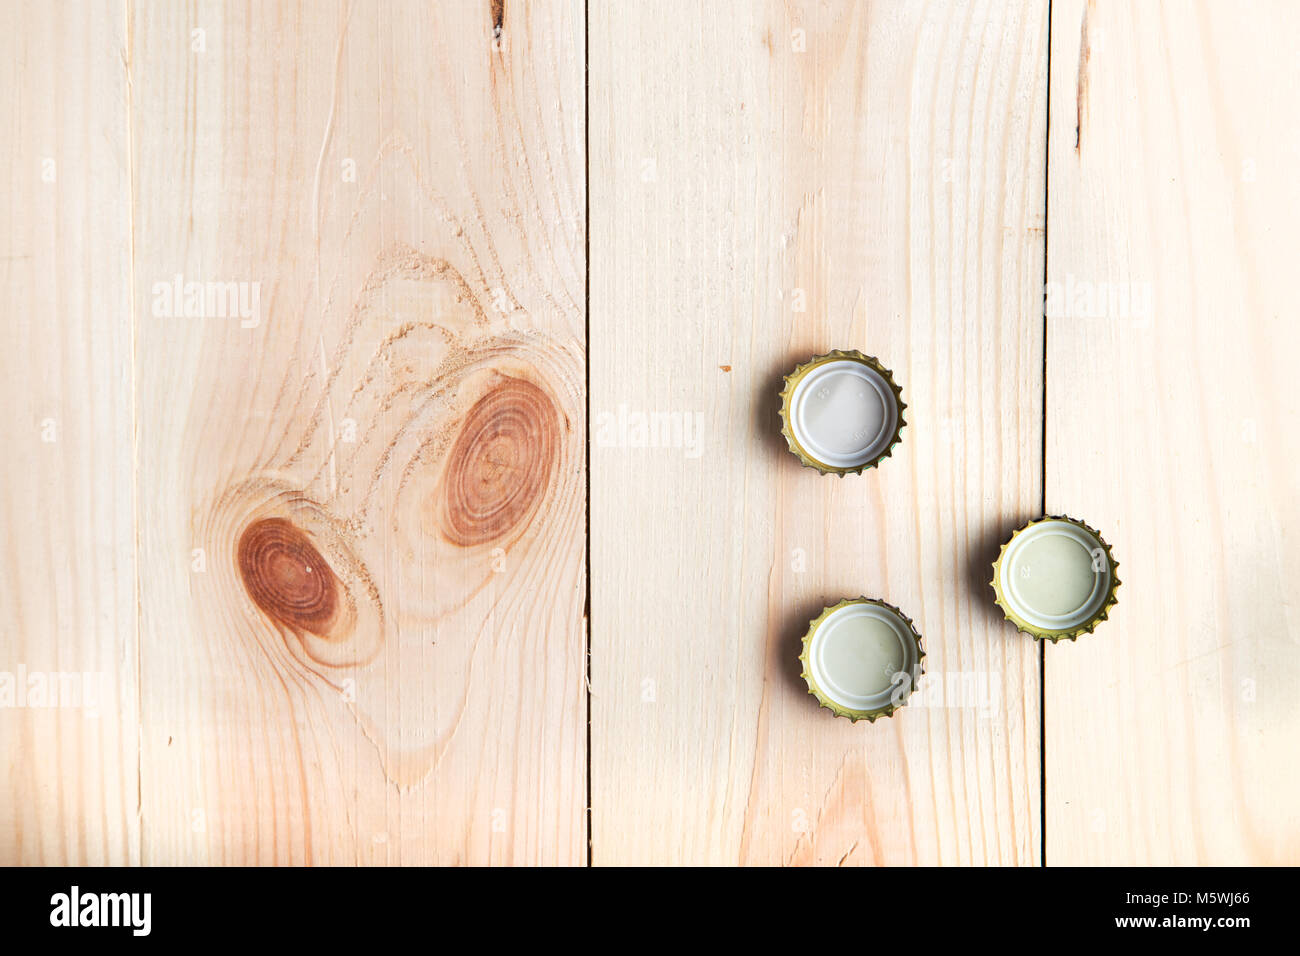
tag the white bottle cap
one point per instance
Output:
(841, 412)
(861, 658)
(1055, 578)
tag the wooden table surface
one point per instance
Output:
(393, 472)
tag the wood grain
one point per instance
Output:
(293, 522)
(362, 493)
(1172, 424)
(68, 711)
(770, 181)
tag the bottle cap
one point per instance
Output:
(1055, 578)
(862, 658)
(841, 412)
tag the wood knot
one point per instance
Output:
(287, 577)
(500, 465)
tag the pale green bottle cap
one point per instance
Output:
(841, 412)
(1055, 578)
(861, 658)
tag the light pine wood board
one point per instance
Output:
(407, 191)
(402, 186)
(69, 726)
(770, 181)
(1171, 734)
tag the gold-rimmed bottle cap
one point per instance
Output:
(841, 412)
(861, 658)
(1055, 578)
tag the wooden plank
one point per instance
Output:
(770, 181)
(68, 715)
(362, 492)
(1172, 424)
